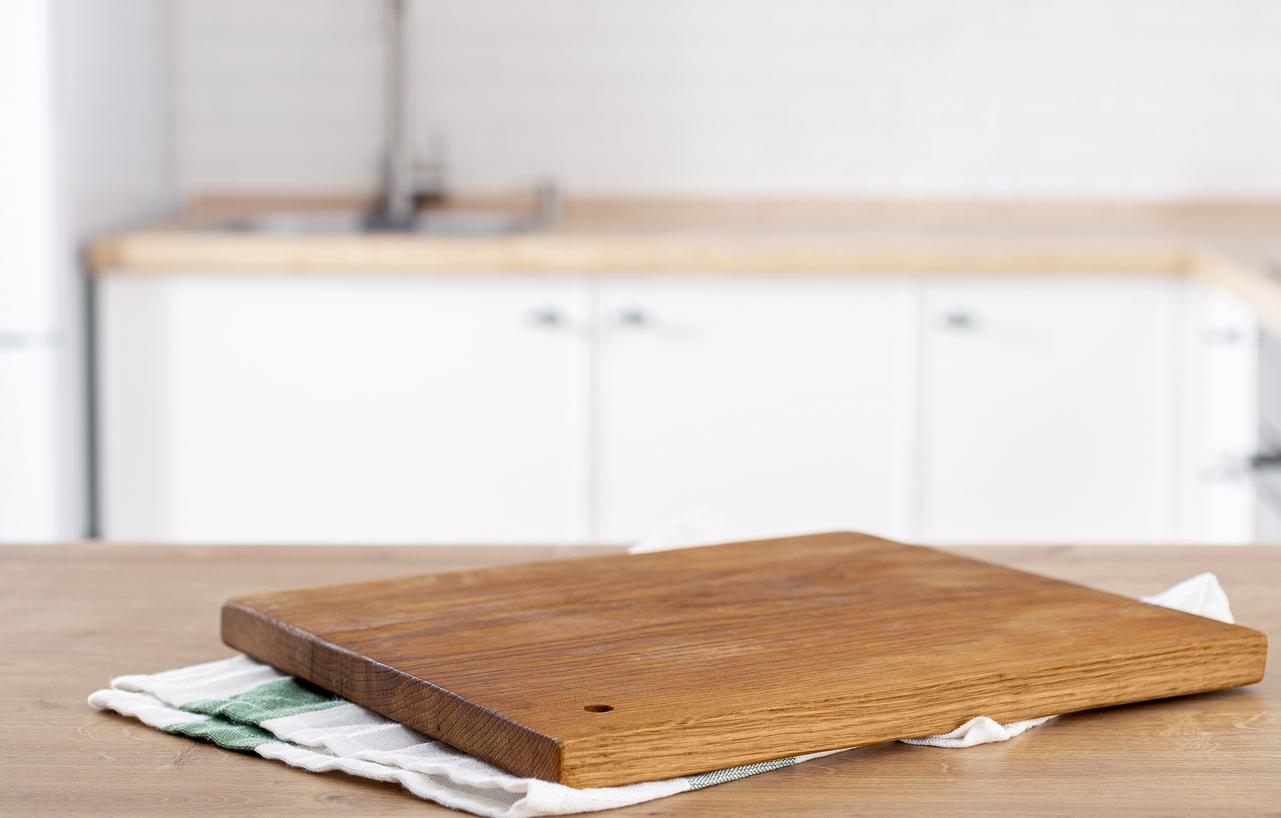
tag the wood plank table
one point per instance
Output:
(72, 616)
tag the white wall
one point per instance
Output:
(918, 97)
(115, 111)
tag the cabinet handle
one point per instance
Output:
(1224, 336)
(1265, 461)
(547, 317)
(632, 317)
(959, 321)
(24, 340)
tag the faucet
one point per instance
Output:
(396, 205)
(395, 208)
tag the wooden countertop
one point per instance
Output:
(1233, 244)
(73, 616)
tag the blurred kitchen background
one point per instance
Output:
(491, 271)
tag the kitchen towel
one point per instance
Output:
(242, 704)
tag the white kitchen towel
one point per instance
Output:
(696, 527)
(242, 704)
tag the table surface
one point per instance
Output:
(73, 616)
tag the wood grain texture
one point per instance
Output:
(618, 669)
(72, 616)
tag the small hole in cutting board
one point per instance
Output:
(599, 708)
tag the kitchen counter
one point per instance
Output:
(1232, 244)
(73, 616)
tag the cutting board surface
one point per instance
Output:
(611, 670)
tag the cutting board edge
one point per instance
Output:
(425, 707)
(596, 762)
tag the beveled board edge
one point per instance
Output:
(414, 702)
(858, 719)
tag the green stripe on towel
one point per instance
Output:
(697, 782)
(272, 700)
(226, 734)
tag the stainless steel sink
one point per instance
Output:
(339, 223)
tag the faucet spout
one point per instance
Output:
(395, 208)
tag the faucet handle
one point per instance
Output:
(548, 205)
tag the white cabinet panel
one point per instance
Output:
(1221, 416)
(1049, 410)
(774, 405)
(373, 408)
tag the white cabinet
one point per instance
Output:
(775, 405)
(430, 408)
(373, 408)
(1050, 410)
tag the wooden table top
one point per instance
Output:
(73, 616)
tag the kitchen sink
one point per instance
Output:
(338, 223)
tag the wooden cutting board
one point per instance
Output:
(612, 670)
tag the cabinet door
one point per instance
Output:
(771, 405)
(1049, 411)
(378, 408)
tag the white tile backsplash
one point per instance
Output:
(918, 97)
